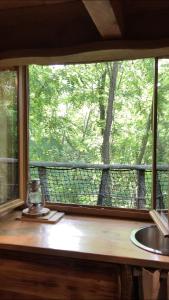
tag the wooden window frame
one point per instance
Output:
(23, 117)
(22, 100)
(125, 213)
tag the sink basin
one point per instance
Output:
(150, 239)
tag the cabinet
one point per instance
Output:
(28, 276)
(33, 276)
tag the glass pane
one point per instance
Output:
(162, 185)
(8, 136)
(98, 114)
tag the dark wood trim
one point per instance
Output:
(23, 130)
(87, 53)
(154, 150)
(21, 4)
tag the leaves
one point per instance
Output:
(66, 106)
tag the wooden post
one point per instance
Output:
(159, 194)
(104, 196)
(23, 131)
(141, 190)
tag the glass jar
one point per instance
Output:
(35, 201)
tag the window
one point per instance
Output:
(162, 155)
(91, 132)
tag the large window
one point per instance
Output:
(96, 137)
(91, 132)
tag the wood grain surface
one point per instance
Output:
(83, 237)
(43, 277)
(79, 258)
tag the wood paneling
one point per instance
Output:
(56, 25)
(46, 25)
(132, 7)
(58, 278)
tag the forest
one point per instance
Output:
(92, 112)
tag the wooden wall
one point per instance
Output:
(35, 277)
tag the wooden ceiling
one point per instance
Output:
(52, 28)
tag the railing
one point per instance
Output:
(116, 185)
(9, 189)
(113, 185)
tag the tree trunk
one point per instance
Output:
(105, 151)
(159, 195)
(101, 100)
(104, 197)
(145, 137)
(141, 187)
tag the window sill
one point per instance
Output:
(124, 213)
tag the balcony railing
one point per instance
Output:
(113, 185)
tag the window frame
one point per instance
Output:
(99, 211)
(22, 101)
(129, 213)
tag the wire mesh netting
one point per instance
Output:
(162, 189)
(106, 187)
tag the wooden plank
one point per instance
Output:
(94, 166)
(10, 205)
(59, 279)
(114, 212)
(23, 131)
(104, 17)
(161, 223)
(87, 53)
(52, 218)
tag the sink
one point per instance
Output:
(150, 239)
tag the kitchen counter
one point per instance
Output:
(84, 237)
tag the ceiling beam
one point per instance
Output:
(105, 15)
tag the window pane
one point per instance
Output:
(162, 185)
(98, 113)
(8, 136)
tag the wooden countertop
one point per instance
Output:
(84, 237)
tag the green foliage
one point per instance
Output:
(65, 123)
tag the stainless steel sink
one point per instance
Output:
(150, 239)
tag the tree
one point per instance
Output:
(105, 185)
